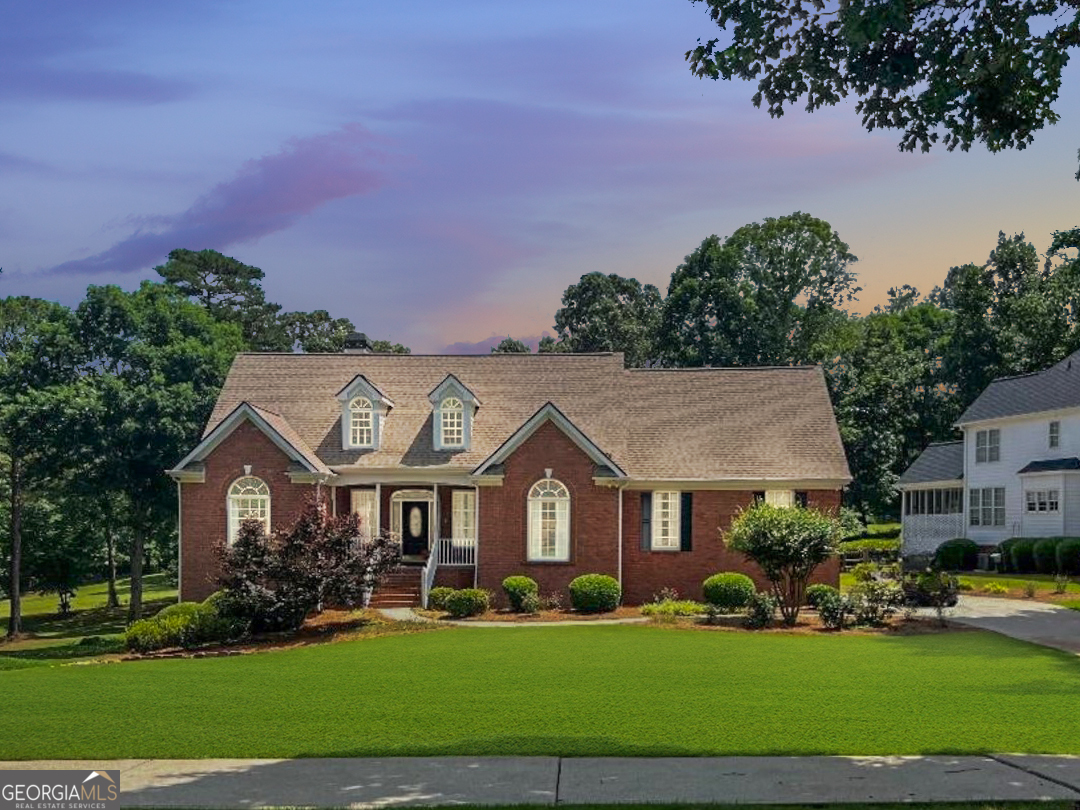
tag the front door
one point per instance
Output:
(414, 528)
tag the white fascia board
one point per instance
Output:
(1020, 417)
(362, 385)
(549, 413)
(452, 384)
(226, 426)
(735, 483)
(955, 483)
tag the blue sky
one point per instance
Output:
(440, 172)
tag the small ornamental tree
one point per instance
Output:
(788, 544)
(275, 581)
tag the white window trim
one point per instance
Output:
(991, 450)
(1053, 434)
(545, 503)
(978, 508)
(669, 539)
(456, 408)
(365, 503)
(1044, 501)
(356, 409)
(463, 515)
(257, 502)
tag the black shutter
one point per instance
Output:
(686, 521)
(646, 521)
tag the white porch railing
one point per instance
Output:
(427, 575)
(455, 551)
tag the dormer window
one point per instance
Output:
(452, 419)
(453, 408)
(361, 422)
(363, 410)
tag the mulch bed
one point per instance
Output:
(509, 617)
(809, 624)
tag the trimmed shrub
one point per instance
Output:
(960, 554)
(1068, 556)
(996, 588)
(436, 598)
(467, 602)
(1022, 555)
(595, 593)
(1044, 553)
(517, 588)
(872, 547)
(865, 572)
(145, 635)
(728, 592)
(815, 593)
(673, 607)
(761, 610)
(874, 602)
(883, 530)
(530, 603)
(833, 608)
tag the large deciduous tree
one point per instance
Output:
(763, 296)
(609, 313)
(509, 345)
(157, 364)
(952, 71)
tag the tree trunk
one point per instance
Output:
(15, 620)
(110, 553)
(135, 601)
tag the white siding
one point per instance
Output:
(1043, 524)
(1024, 440)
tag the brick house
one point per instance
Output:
(549, 465)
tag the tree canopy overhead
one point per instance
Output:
(954, 71)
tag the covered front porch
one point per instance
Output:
(435, 524)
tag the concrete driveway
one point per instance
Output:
(1027, 620)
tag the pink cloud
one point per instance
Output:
(267, 194)
(487, 344)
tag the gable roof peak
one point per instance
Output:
(452, 383)
(361, 384)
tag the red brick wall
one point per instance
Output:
(645, 572)
(503, 521)
(457, 577)
(204, 518)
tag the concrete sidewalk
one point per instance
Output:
(554, 780)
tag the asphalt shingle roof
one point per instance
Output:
(707, 424)
(938, 462)
(1051, 465)
(1048, 390)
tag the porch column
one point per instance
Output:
(378, 508)
(437, 520)
(476, 538)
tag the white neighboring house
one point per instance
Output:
(1016, 472)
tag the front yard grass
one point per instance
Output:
(573, 691)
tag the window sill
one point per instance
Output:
(549, 562)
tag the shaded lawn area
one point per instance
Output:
(90, 629)
(1014, 582)
(571, 691)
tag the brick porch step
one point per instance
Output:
(398, 588)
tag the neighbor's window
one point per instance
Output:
(361, 430)
(665, 520)
(549, 521)
(780, 497)
(452, 416)
(987, 506)
(1042, 500)
(249, 499)
(987, 445)
(1054, 434)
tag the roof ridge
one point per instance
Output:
(950, 441)
(492, 355)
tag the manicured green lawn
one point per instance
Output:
(576, 691)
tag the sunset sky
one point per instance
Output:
(440, 172)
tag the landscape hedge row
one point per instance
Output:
(1041, 555)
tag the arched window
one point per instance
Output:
(249, 499)
(452, 414)
(361, 430)
(549, 521)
